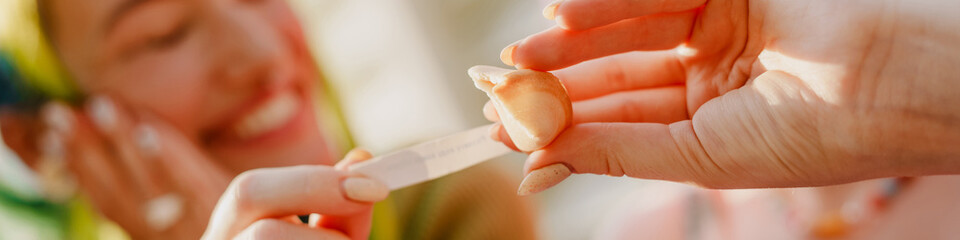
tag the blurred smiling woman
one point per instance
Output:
(181, 97)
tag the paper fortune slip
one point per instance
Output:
(432, 159)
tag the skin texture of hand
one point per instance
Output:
(264, 203)
(759, 94)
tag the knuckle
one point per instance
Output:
(616, 77)
(631, 110)
(314, 185)
(610, 152)
(243, 187)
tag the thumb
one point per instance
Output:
(770, 133)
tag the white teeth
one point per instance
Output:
(269, 116)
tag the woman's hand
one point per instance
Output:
(138, 171)
(265, 203)
(762, 93)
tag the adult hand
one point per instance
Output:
(138, 171)
(760, 93)
(265, 203)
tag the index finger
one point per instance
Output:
(558, 48)
(585, 14)
(299, 190)
(621, 72)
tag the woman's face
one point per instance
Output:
(235, 75)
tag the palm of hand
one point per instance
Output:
(778, 93)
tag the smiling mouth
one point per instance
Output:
(272, 115)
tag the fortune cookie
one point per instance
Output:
(533, 106)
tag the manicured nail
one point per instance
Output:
(364, 189)
(550, 12)
(543, 178)
(354, 156)
(495, 132)
(164, 211)
(103, 112)
(358, 154)
(148, 140)
(506, 56)
(57, 116)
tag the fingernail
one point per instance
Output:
(550, 12)
(51, 146)
(147, 140)
(103, 112)
(353, 156)
(358, 154)
(163, 212)
(495, 132)
(543, 178)
(506, 56)
(364, 189)
(57, 116)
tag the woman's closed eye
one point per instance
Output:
(166, 40)
(150, 28)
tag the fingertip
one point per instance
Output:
(354, 156)
(562, 22)
(544, 51)
(103, 112)
(147, 140)
(574, 24)
(163, 212)
(358, 154)
(544, 178)
(364, 189)
(490, 112)
(58, 116)
(571, 18)
(495, 132)
(550, 12)
(507, 54)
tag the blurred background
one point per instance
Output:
(415, 53)
(406, 61)
(397, 70)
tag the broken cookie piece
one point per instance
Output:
(533, 106)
